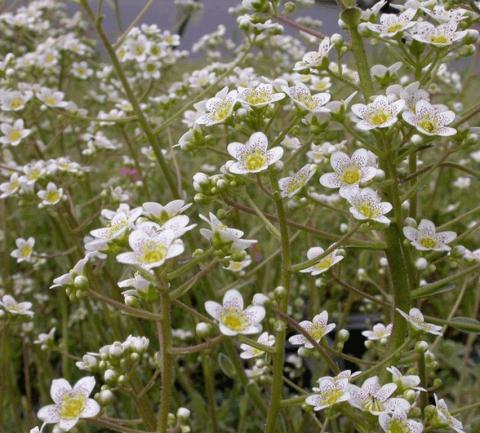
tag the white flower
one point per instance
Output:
(24, 250)
(219, 231)
(238, 266)
(431, 119)
(45, 338)
(11, 306)
(51, 98)
(253, 156)
(259, 96)
(381, 113)
(119, 224)
(289, 186)
(392, 24)
(442, 15)
(415, 318)
(14, 100)
(323, 264)
(11, 186)
(379, 332)
(367, 205)
(314, 59)
(330, 391)
(50, 196)
(71, 404)
(349, 172)
(161, 214)
(411, 94)
(81, 70)
(219, 108)
(404, 381)
(426, 238)
(318, 153)
(151, 250)
(14, 134)
(301, 95)
(232, 318)
(445, 417)
(373, 398)
(399, 422)
(68, 279)
(439, 36)
(317, 329)
(249, 352)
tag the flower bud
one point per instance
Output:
(203, 330)
(421, 347)
(343, 335)
(183, 414)
(421, 263)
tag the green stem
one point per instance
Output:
(208, 375)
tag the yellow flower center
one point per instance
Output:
(394, 28)
(234, 319)
(317, 332)
(13, 186)
(257, 97)
(374, 405)
(50, 58)
(427, 125)
(14, 135)
(439, 39)
(325, 263)
(222, 111)
(379, 118)
(16, 103)
(331, 397)
(52, 196)
(25, 251)
(351, 175)
(398, 426)
(428, 242)
(153, 253)
(308, 101)
(72, 406)
(114, 228)
(34, 174)
(50, 100)
(367, 210)
(255, 161)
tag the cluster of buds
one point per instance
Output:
(114, 361)
(75, 281)
(208, 187)
(180, 421)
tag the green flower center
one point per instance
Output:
(308, 101)
(50, 100)
(427, 125)
(222, 111)
(255, 161)
(374, 405)
(13, 186)
(351, 175)
(325, 263)
(331, 397)
(72, 406)
(428, 242)
(379, 118)
(25, 251)
(397, 426)
(234, 319)
(52, 196)
(317, 332)
(257, 97)
(153, 253)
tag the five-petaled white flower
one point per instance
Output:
(415, 318)
(411, 94)
(71, 404)
(14, 100)
(367, 205)
(374, 398)
(50, 196)
(439, 36)
(253, 156)
(426, 238)
(445, 417)
(14, 134)
(10, 187)
(219, 108)
(10, 305)
(378, 332)
(232, 318)
(317, 329)
(323, 264)
(238, 266)
(24, 250)
(381, 113)
(150, 250)
(314, 59)
(301, 95)
(442, 15)
(259, 96)
(398, 421)
(290, 185)
(404, 381)
(51, 98)
(349, 172)
(249, 352)
(330, 391)
(431, 119)
(392, 24)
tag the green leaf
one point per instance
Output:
(226, 365)
(465, 324)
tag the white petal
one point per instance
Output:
(233, 298)
(92, 408)
(214, 309)
(58, 389)
(85, 385)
